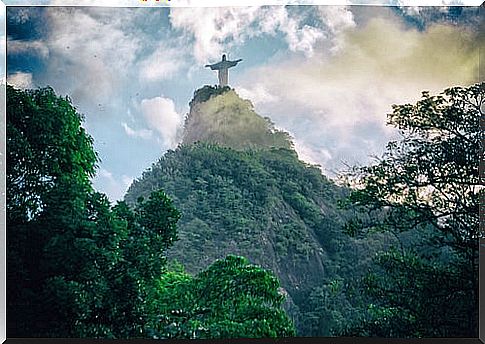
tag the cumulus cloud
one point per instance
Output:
(338, 103)
(216, 29)
(337, 19)
(211, 27)
(20, 80)
(298, 35)
(141, 133)
(161, 116)
(114, 187)
(92, 47)
(257, 94)
(162, 64)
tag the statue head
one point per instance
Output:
(223, 57)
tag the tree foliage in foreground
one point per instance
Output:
(79, 267)
(230, 299)
(76, 268)
(427, 182)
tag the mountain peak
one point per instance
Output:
(218, 115)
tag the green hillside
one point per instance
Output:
(81, 267)
(253, 197)
(230, 235)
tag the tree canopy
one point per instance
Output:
(268, 206)
(427, 182)
(81, 267)
(231, 299)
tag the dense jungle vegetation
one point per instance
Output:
(231, 235)
(80, 267)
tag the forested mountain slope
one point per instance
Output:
(241, 190)
(81, 267)
(396, 256)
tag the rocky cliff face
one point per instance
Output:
(242, 190)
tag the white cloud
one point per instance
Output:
(105, 174)
(300, 37)
(113, 186)
(20, 80)
(216, 29)
(224, 3)
(162, 64)
(141, 133)
(415, 4)
(338, 103)
(107, 3)
(161, 116)
(257, 94)
(93, 47)
(337, 19)
(36, 47)
(212, 28)
(312, 155)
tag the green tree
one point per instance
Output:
(151, 228)
(46, 146)
(428, 183)
(49, 162)
(231, 299)
(79, 267)
(76, 266)
(270, 207)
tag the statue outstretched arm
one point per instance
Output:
(233, 63)
(215, 66)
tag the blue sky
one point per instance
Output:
(328, 75)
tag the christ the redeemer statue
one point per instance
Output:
(222, 68)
